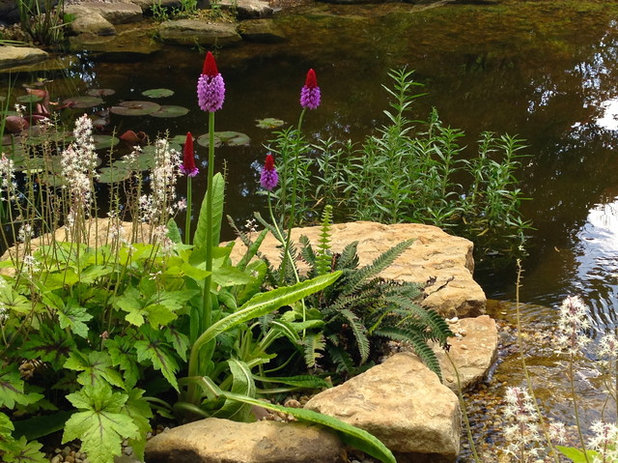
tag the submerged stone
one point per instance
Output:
(198, 32)
(261, 30)
(14, 56)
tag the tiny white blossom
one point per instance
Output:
(25, 233)
(573, 321)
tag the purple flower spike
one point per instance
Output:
(210, 86)
(310, 95)
(269, 177)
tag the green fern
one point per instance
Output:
(419, 344)
(312, 344)
(323, 259)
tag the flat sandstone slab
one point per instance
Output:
(15, 56)
(434, 254)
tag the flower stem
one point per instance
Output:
(582, 442)
(189, 210)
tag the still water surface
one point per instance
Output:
(546, 71)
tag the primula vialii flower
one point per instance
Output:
(210, 86)
(188, 161)
(310, 93)
(269, 177)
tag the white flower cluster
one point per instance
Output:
(604, 441)
(161, 236)
(161, 201)
(573, 321)
(522, 428)
(7, 178)
(78, 161)
(25, 233)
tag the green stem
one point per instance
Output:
(279, 237)
(188, 211)
(582, 442)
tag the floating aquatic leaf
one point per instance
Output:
(28, 99)
(170, 111)
(100, 92)
(269, 123)
(158, 92)
(83, 101)
(135, 108)
(228, 138)
(178, 139)
(105, 141)
(113, 174)
(55, 138)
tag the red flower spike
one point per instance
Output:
(312, 81)
(269, 163)
(210, 66)
(188, 160)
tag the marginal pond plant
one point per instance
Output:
(105, 323)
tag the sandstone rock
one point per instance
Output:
(92, 23)
(14, 56)
(248, 9)
(434, 254)
(473, 351)
(261, 30)
(223, 441)
(403, 404)
(194, 31)
(115, 12)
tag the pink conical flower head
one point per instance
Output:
(310, 95)
(210, 86)
(269, 177)
(188, 161)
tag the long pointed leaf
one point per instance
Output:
(263, 303)
(352, 435)
(218, 191)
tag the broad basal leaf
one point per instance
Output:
(122, 353)
(178, 340)
(158, 353)
(50, 344)
(12, 389)
(94, 367)
(22, 451)
(101, 425)
(73, 316)
(242, 383)
(139, 410)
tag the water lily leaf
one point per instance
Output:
(170, 111)
(179, 139)
(83, 101)
(105, 141)
(269, 123)
(55, 138)
(28, 99)
(113, 174)
(228, 138)
(100, 92)
(135, 108)
(158, 92)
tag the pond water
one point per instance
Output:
(544, 70)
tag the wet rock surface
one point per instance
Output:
(13, 56)
(194, 31)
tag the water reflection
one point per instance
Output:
(597, 262)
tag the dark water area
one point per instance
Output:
(544, 70)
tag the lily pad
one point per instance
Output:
(170, 111)
(178, 139)
(135, 108)
(228, 138)
(28, 99)
(100, 92)
(113, 174)
(269, 123)
(83, 101)
(158, 92)
(105, 141)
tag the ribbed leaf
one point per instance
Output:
(301, 381)
(242, 384)
(201, 231)
(351, 435)
(263, 303)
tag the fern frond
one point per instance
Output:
(348, 259)
(307, 254)
(323, 259)
(419, 344)
(341, 359)
(360, 333)
(379, 264)
(313, 343)
(439, 329)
